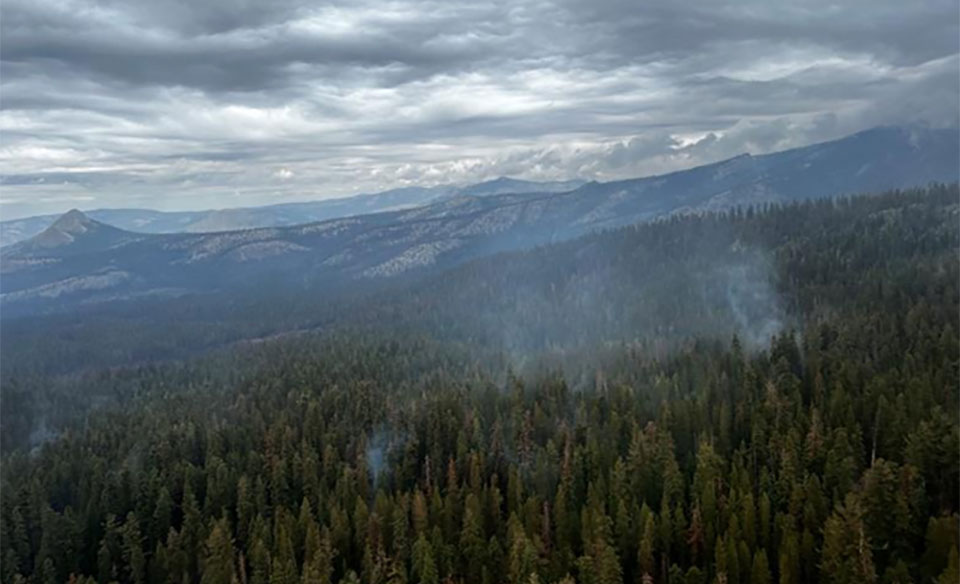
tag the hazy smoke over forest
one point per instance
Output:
(753, 301)
(730, 290)
(377, 446)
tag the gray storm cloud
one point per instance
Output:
(181, 105)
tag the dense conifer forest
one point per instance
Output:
(763, 395)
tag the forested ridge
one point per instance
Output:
(758, 396)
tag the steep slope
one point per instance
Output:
(877, 159)
(74, 232)
(327, 254)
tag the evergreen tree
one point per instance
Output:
(847, 557)
(219, 563)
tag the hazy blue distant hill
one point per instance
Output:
(505, 185)
(149, 221)
(455, 228)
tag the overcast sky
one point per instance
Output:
(190, 104)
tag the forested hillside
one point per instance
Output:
(762, 395)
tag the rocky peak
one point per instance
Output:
(68, 228)
(73, 222)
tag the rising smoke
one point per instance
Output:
(753, 302)
(377, 446)
(720, 290)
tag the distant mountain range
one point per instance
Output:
(149, 221)
(79, 259)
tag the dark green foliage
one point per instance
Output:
(828, 454)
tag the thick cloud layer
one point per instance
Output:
(181, 104)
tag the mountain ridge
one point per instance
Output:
(456, 229)
(278, 214)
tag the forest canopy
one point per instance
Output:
(754, 396)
